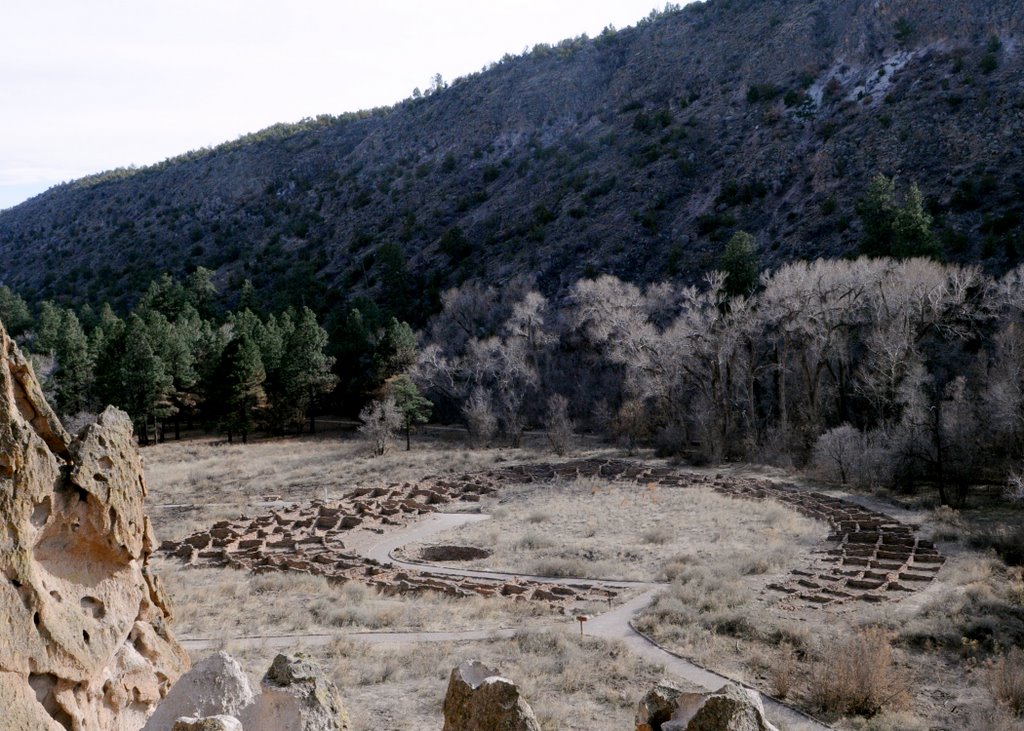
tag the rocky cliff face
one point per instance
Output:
(84, 643)
(637, 153)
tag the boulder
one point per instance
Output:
(297, 696)
(731, 708)
(208, 723)
(478, 698)
(85, 642)
(214, 686)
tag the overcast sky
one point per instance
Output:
(90, 85)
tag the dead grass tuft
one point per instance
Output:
(1005, 676)
(858, 676)
(784, 672)
(978, 607)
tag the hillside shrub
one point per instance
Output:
(1005, 678)
(858, 676)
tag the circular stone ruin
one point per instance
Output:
(453, 553)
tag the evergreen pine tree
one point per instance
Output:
(14, 313)
(740, 265)
(132, 377)
(891, 229)
(396, 352)
(306, 367)
(240, 376)
(413, 406)
(72, 379)
(48, 325)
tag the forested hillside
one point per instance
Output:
(637, 153)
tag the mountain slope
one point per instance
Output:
(635, 153)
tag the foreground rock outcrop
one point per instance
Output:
(298, 696)
(478, 698)
(215, 686)
(84, 643)
(295, 695)
(731, 708)
(208, 723)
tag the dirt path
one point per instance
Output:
(614, 624)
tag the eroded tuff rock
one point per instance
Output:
(207, 723)
(215, 686)
(296, 695)
(84, 643)
(479, 698)
(731, 708)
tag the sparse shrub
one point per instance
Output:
(793, 97)
(534, 541)
(992, 718)
(947, 523)
(1006, 540)
(990, 61)
(1014, 490)
(381, 419)
(895, 721)
(558, 424)
(658, 535)
(670, 441)
(480, 418)
(1005, 679)
(858, 676)
(762, 93)
(783, 672)
(904, 30)
(631, 423)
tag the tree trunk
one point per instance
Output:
(781, 375)
(408, 429)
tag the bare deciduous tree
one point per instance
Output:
(381, 420)
(480, 418)
(558, 424)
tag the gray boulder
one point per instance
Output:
(210, 723)
(478, 699)
(296, 696)
(731, 708)
(214, 686)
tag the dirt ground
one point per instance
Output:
(718, 553)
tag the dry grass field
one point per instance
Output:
(571, 683)
(589, 527)
(208, 603)
(942, 658)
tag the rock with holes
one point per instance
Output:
(731, 708)
(85, 642)
(208, 723)
(296, 695)
(214, 686)
(479, 698)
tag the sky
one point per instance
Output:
(91, 85)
